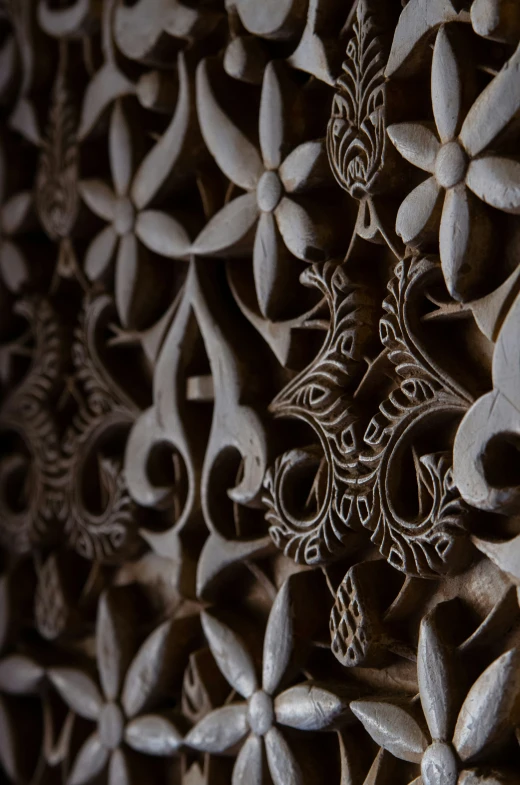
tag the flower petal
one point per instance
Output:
(90, 761)
(78, 691)
(282, 763)
(392, 728)
(159, 162)
(13, 266)
(416, 143)
(162, 234)
(106, 85)
(454, 240)
(300, 233)
(278, 641)
(7, 744)
(127, 268)
(233, 152)
(148, 670)
(120, 150)
(119, 770)
(113, 645)
(99, 253)
(496, 105)
(15, 211)
(272, 267)
(446, 87)
(435, 678)
(219, 730)
(271, 118)
(306, 167)
(496, 181)
(230, 229)
(233, 659)
(99, 198)
(248, 766)
(153, 735)
(19, 675)
(309, 707)
(416, 214)
(490, 707)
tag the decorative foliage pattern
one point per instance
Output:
(259, 392)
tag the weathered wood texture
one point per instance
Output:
(260, 392)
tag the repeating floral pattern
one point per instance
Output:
(259, 311)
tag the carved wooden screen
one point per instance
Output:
(260, 373)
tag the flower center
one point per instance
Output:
(261, 712)
(451, 165)
(439, 765)
(269, 191)
(124, 215)
(111, 725)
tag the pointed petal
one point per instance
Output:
(219, 730)
(113, 646)
(99, 198)
(90, 761)
(496, 105)
(153, 735)
(446, 87)
(454, 238)
(147, 671)
(106, 85)
(248, 766)
(13, 266)
(233, 152)
(300, 233)
(416, 143)
(230, 229)
(392, 728)
(78, 691)
(279, 639)
(306, 167)
(270, 260)
(435, 681)
(282, 763)
(271, 118)
(99, 253)
(161, 159)
(19, 675)
(309, 707)
(15, 211)
(127, 268)
(119, 769)
(490, 707)
(120, 150)
(231, 656)
(417, 213)
(496, 181)
(162, 234)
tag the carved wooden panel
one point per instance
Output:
(260, 392)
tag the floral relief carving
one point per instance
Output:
(259, 305)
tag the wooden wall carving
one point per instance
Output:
(260, 392)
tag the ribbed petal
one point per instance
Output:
(229, 231)
(120, 150)
(300, 233)
(90, 761)
(232, 657)
(13, 266)
(153, 735)
(78, 691)
(278, 642)
(309, 707)
(248, 765)
(454, 238)
(271, 118)
(127, 268)
(282, 763)
(162, 234)
(99, 198)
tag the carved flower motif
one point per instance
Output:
(306, 706)
(123, 207)
(13, 214)
(487, 716)
(273, 179)
(459, 168)
(120, 708)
